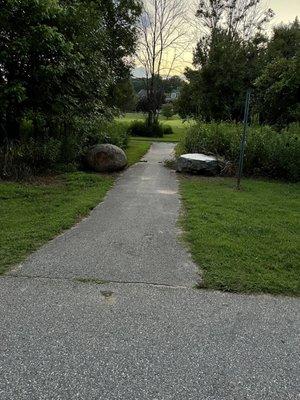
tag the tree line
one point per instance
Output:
(60, 63)
(234, 55)
(67, 63)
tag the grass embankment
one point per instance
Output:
(244, 241)
(33, 213)
(179, 127)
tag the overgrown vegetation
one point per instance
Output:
(234, 55)
(243, 241)
(142, 128)
(179, 127)
(268, 152)
(36, 155)
(59, 77)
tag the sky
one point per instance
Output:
(285, 12)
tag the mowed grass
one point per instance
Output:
(244, 241)
(33, 213)
(179, 127)
(136, 150)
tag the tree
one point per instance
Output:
(162, 31)
(167, 110)
(226, 69)
(278, 86)
(59, 60)
(123, 95)
(228, 58)
(172, 83)
(187, 104)
(145, 103)
(285, 42)
(32, 51)
(243, 18)
(138, 84)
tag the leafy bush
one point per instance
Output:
(268, 152)
(167, 110)
(21, 160)
(168, 130)
(141, 128)
(31, 156)
(115, 133)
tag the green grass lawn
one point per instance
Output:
(244, 241)
(32, 214)
(179, 127)
(136, 150)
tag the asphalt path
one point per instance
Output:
(146, 333)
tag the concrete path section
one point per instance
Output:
(132, 236)
(62, 340)
(147, 334)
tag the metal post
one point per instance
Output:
(243, 139)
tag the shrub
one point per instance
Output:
(268, 152)
(167, 130)
(115, 133)
(141, 128)
(167, 110)
(22, 159)
(31, 156)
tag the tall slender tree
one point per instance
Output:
(162, 41)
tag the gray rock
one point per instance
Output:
(106, 157)
(199, 164)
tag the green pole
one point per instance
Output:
(243, 139)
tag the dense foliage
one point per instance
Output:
(163, 88)
(123, 95)
(216, 91)
(268, 153)
(167, 110)
(234, 56)
(21, 159)
(142, 128)
(60, 61)
(63, 69)
(277, 89)
(167, 84)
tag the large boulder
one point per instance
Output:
(199, 164)
(106, 157)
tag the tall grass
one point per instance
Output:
(32, 155)
(268, 153)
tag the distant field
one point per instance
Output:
(179, 127)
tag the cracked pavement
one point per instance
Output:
(145, 333)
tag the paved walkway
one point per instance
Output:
(147, 334)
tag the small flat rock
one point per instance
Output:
(199, 163)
